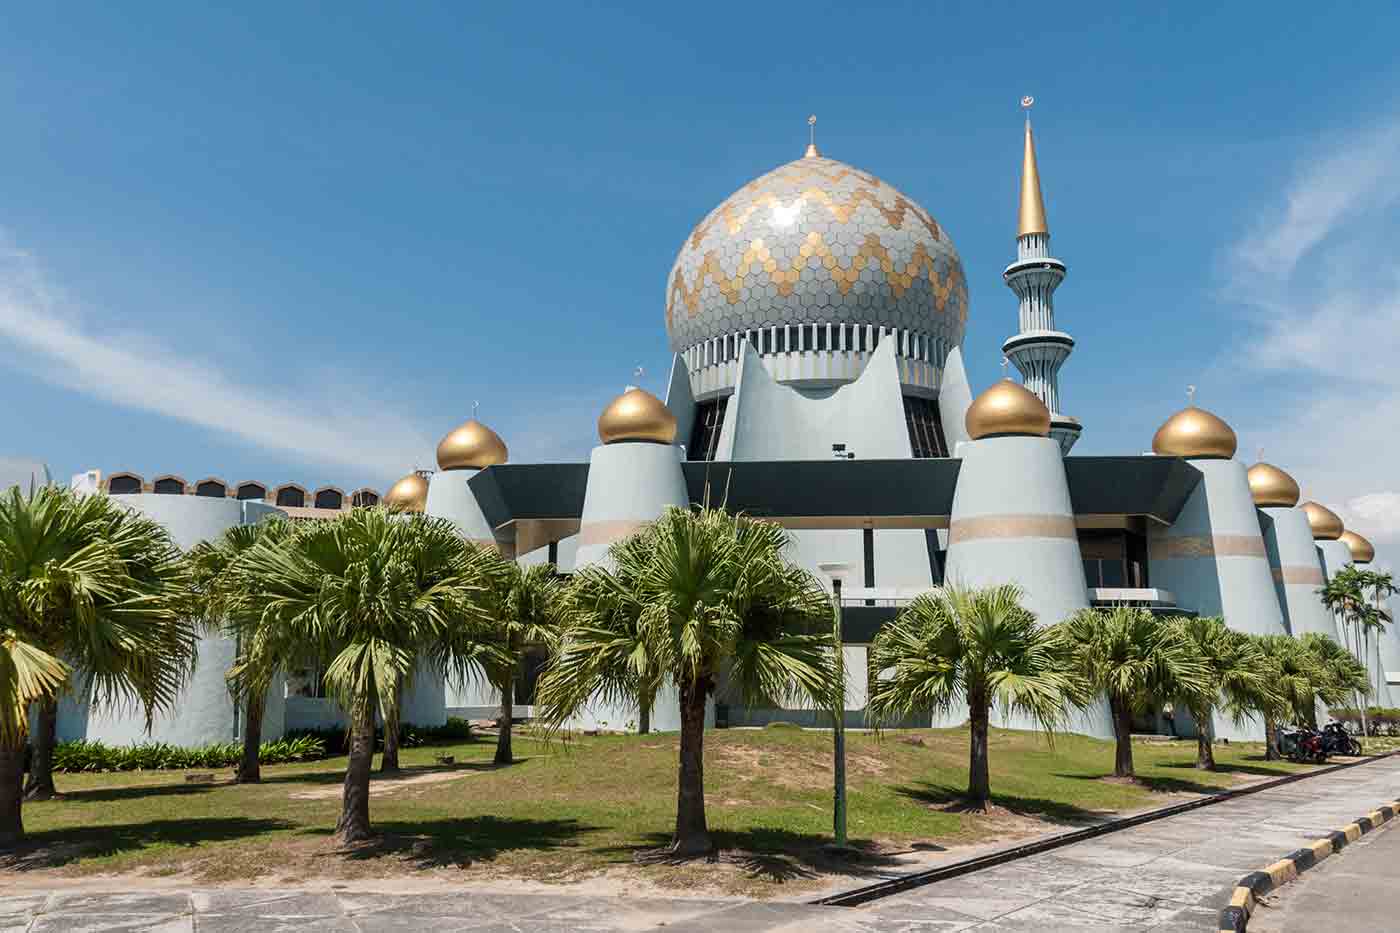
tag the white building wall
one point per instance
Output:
(450, 496)
(1297, 570)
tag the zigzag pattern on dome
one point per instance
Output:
(757, 259)
(734, 222)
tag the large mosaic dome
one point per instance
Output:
(816, 241)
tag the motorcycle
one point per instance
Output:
(1303, 745)
(1337, 741)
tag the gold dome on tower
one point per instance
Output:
(1361, 550)
(1270, 486)
(1007, 408)
(1326, 525)
(471, 446)
(1195, 432)
(409, 494)
(637, 415)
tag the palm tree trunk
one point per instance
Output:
(11, 795)
(1271, 752)
(40, 783)
(507, 688)
(389, 761)
(353, 825)
(249, 770)
(1123, 738)
(979, 784)
(1205, 749)
(692, 836)
(644, 714)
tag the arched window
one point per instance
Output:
(329, 498)
(364, 499)
(123, 484)
(213, 488)
(169, 486)
(252, 491)
(291, 496)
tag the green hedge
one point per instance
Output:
(151, 756)
(1382, 720)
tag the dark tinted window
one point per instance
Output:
(291, 496)
(252, 491)
(925, 427)
(123, 485)
(168, 487)
(704, 436)
(212, 488)
(329, 499)
(364, 499)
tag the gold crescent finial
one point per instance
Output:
(812, 152)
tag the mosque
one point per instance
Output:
(816, 321)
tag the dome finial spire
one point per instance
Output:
(812, 152)
(1032, 219)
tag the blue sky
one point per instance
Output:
(296, 242)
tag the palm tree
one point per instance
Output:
(614, 595)
(980, 646)
(714, 590)
(91, 590)
(374, 591)
(526, 608)
(1381, 586)
(264, 644)
(1138, 661)
(1239, 679)
(1345, 596)
(1338, 674)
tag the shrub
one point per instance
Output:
(410, 736)
(85, 756)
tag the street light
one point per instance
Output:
(835, 572)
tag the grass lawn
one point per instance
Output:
(577, 810)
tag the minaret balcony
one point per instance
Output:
(1048, 266)
(1051, 347)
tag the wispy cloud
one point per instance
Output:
(1320, 277)
(74, 348)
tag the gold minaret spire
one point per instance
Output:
(1032, 204)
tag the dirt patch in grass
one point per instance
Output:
(385, 786)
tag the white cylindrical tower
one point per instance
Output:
(1012, 521)
(1213, 557)
(1293, 558)
(205, 711)
(1038, 349)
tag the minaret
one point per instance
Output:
(1039, 350)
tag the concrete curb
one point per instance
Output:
(1235, 918)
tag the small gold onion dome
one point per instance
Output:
(637, 415)
(1194, 432)
(1361, 550)
(1270, 486)
(1007, 408)
(1325, 524)
(409, 494)
(471, 446)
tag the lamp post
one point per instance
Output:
(834, 573)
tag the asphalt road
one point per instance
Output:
(1351, 891)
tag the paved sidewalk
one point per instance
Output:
(1171, 875)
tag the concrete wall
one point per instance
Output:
(1297, 571)
(450, 496)
(630, 483)
(205, 711)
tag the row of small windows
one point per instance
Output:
(857, 338)
(289, 495)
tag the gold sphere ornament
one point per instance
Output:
(1326, 525)
(409, 494)
(637, 415)
(471, 446)
(1007, 409)
(1272, 487)
(1195, 432)
(1362, 551)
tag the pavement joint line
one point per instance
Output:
(1234, 918)
(855, 897)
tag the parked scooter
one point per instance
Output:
(1303, 745)
(1337, 741)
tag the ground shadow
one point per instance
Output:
(953, 799)
(460, 842)
(776, 855)
(1263, 769)
(55, 848)
(131, 792)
